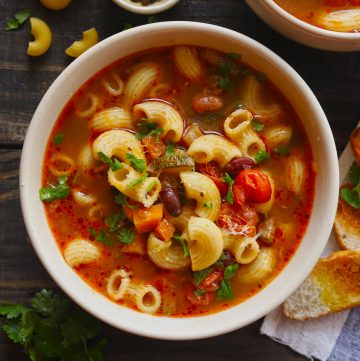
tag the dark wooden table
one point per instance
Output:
(334, 78)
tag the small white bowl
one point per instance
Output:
(155, 8)
(302, 32)
(300, 97)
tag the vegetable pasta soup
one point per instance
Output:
(335, 15)
(178, 181)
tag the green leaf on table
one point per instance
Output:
(18, 19)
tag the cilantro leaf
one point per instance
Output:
(354, 173)
(137, 181)
(225, 68)
(12, 24)
(199, 276)
(58, 139)
(52, 192)
(121, 200)
(157, 131)
(114, 163)
(138, 164)
(145, 128)
(258, 126)
(18, 19)
(261, 156)
(351, 196)
(208, 205)
(170, 149)
(126, 235)
(113, 220)
(225, 291)
(183, 244)
(12, 310)
(229, 194)
(230, 271)
(101, 236)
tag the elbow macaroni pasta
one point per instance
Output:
(188, 63)
(90, 38)
(117, 284)
(113, 84)
(42, 37)
(164, 115)
(343, 20)
(111, 118)
(55, 4)
(295, 170)
(278, 135)
(206, 243)
(82, 198)
(204, 191)
(85, 159)
(212, 147)
(94, 102)
(60, 165)
(80, 251)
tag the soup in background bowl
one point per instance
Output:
(178, 180)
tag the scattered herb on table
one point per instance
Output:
(351, 195)
(18, 19)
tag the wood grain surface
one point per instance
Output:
(334, 78)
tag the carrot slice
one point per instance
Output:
(146, 219)
(165, 230)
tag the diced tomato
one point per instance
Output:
(212, 281)
(165, 230)
(153, 149)
(201, 300)
(239, 195)
(240, 219)
(256, 184)
(212, 170)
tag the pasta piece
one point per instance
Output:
(164, 115)
(211, 147)
(204, 191)
(160, 90)
(55, 4)
(80, 251)
(93, 103)
(251, 96)
(146, 297)
(192, 133)
(113, 84)
(146, 192)
(42, 37)
(266, 207)
(96, 212)
(238, 128)
(188, 63)
(60, 165)
(117, 284)
(278, 135)
(85, 159)
(343, 20)
(206, 243)
(90, 38)
(262, 267)
(181, 222)
(296, 173)
(139, 83)
(118, 143)
(82, 198)
(111, 118)
(168, 255)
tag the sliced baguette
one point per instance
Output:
(355, 143)
(333, 285)
(347, 226)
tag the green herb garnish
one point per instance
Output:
(224, 83)
(199, 276)
(114, 163)
(138, 164)
(101, 236)
(230, 271)
(157, 132)
(208, 205)
(170, 149)
(53, 328)
(258, 126)
(199, 292)
(152, 19)
(18, 19)
(121, 200)
(113, 220)
(126, 235)
(183, 244)
(261, 156)
(145, 128)
(58, 139)
(52, 192)
(229, 194)
(225, 291)
(137, 181)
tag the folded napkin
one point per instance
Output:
(335, 337)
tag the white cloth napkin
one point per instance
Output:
(335, 337)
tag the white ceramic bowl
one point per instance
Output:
(302, 32)
(157, 7)
(260, 58)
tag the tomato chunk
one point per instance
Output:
(201, 300)
(212, 281)
(256, 184)
(155, 148)
(212, 170)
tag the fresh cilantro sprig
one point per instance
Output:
(101, 236)
(114, 163)
(224, 81)
(257, 126)
(261, 156)
(351, 195)
(144, 128)
(170, 149)
(183, 244)
(58, 139)
(18, 19)
(137, 164)
(113, 221)
(52, 192)
(121, 200)
(199, 276)
(225, 290)
(157, 132)
(126, 235)
(137, 181)
(53, 328)
(229, 194)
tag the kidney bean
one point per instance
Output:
(207, 103)
(171, 201)
(237, 164)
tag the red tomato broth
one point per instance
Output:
(68, 220)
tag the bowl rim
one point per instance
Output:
(148, 9)
(188, 328)
(335, 35)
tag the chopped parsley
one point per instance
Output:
(53, 328)
(199, 276)
(257, 126)
(58, 139)
(230, 271)
(137, 181)
(151, 186)
(229, 194)
(113, 220)
(224, 81)
(126, 235)
(145, 128)
(101, 236)
(18, 19)
(157, 132)
(208, 205)
(261, 156)
(121, 200)
(137, 164)
(52, 192)
(351, 195)
(170, 149)
(225, 291)
(114, 163)
(183, 244)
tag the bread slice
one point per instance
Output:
(355, 143)
(333, 285)
(347, 226)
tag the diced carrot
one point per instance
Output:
(154, 149)
(146, 219)
(138, 246)
(165, 230)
